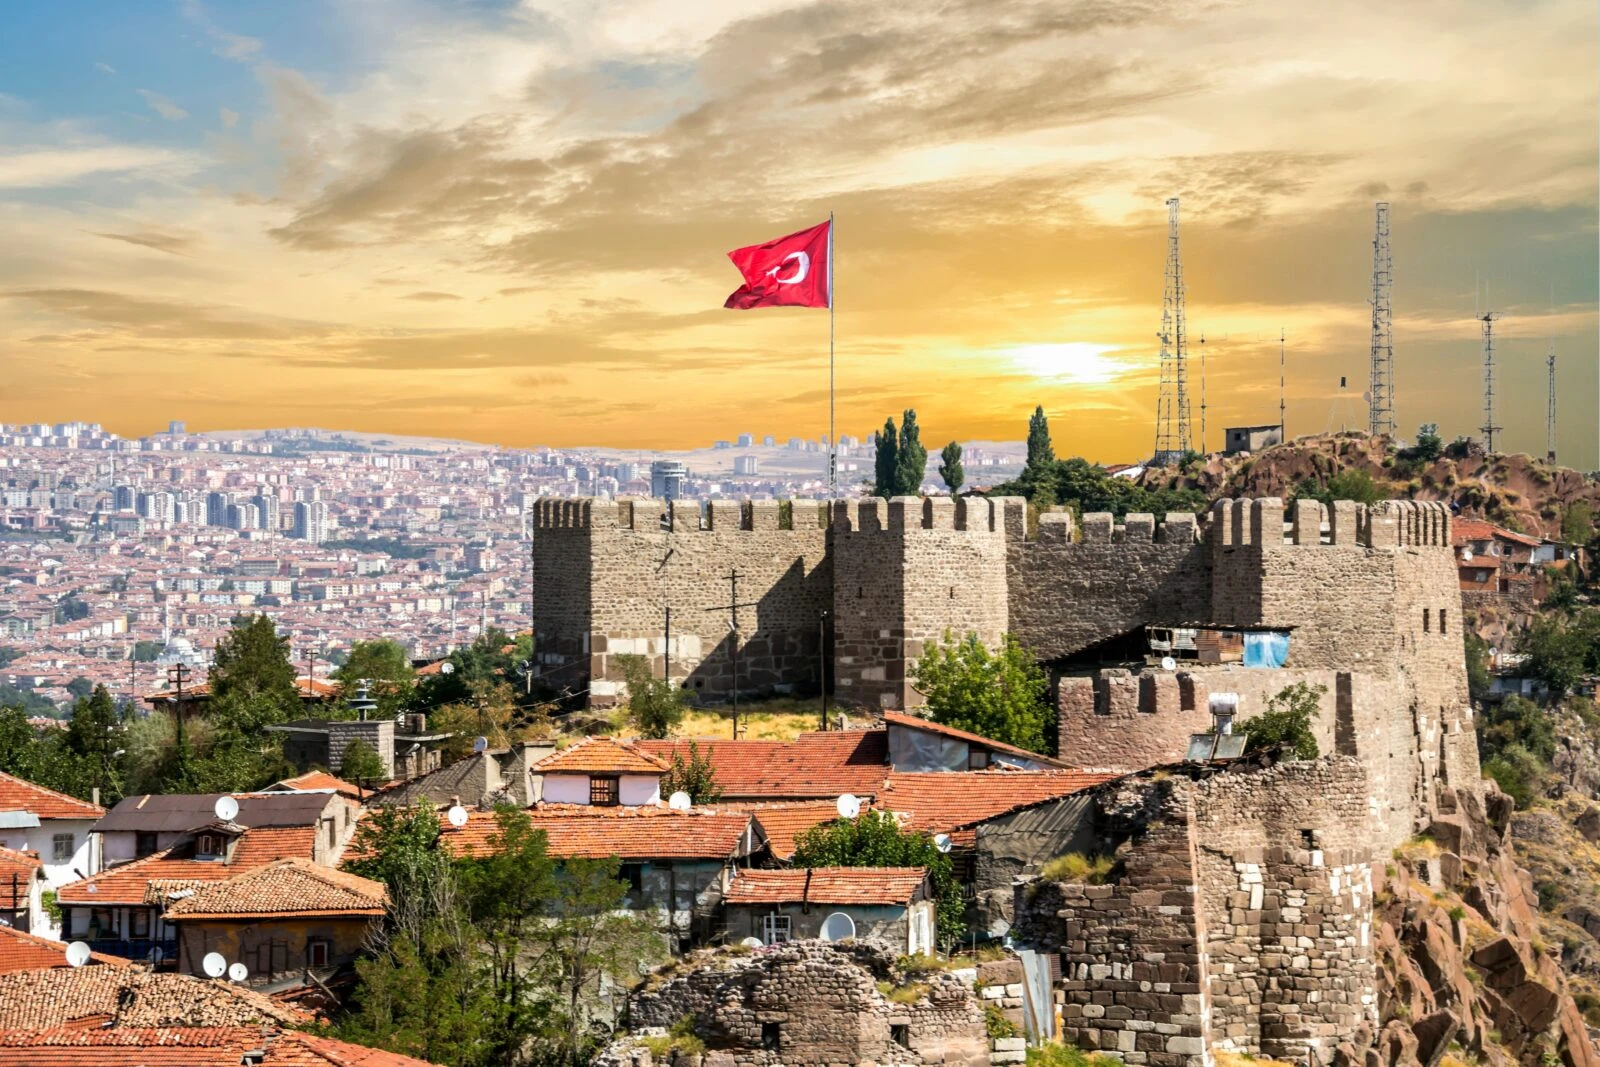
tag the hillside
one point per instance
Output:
(1516, 491)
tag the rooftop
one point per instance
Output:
(186, 1046)
(151, 880)
(811, 767)
(294, 886)
(26, 952)
(940, 802)
(580, 831)
(601, 755)
(129, 996)
(827, 885)
(19, 794)
(177, 812)
(917, 722)
(783, 823)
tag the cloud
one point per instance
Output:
(149, 318)
(230, 119)
(45, 167)
(228, 45)
(430, 296)
(173, 244)
(162, 106)
(105, 68)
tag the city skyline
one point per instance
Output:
(506, 222)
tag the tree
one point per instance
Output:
(91, 738)
(911, 462)
(950, 469)
(487, 659)
(876, 839)
(886, 468)
(386, 668)
(695, 776)
(251, 665)
(80, 687)
(1287, 721)
(20, 749)
(1577, 523)
(654, 704)
(360, 764)
(1556, 652)
(1041, 454)
(1477, 656)
(9, 653)
(146, 651)
(1429, 446)
(1000, 695)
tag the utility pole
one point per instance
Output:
(822, 664)
(1488, 429)
(177, 674)
(1172, 402)
(1380, 387)
(1202, 392)
(732, 607)
(1550, 413)
(1283, 433)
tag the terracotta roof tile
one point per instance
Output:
(148, 880)
(129, 996)
(941, 802)
(324, 780)
(19, 794)
(18, 870)
(917, 722)
(188, 1046)
(293, 886)
(26, 952)
(811, 767)
(1464, 530)
(782, 823)
(605, 755)
(827, 885)
(628, 833)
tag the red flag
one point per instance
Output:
(792, 271)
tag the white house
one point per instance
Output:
(601, 771)
(56, 828)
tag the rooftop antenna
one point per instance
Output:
(1172, 402)
(1283, 434)
(1550, 388)
(1202, 392)
(1380, 391)
(1488, 429)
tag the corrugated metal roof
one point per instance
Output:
(178, 812)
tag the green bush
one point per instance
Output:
(1079, 869)
(1517, 772)
(1287, 721)
(995, 1023)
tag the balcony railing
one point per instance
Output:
(159, 952)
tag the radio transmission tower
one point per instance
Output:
(1172, 403)
(1380, 394)
(1550, 412)
(1488, 429)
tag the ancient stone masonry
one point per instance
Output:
(1239, 916)
(807, 1003)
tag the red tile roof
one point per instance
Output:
(18, 870)
(782, 823)
(25, 952)
(130, 996)
(150, 880)
(811, 767)
(323, 780)
(294, 886)
(1463, 531)
(192, 1046)
(941, 802)
(18, 794)
(917, 722)
(602, 755)
(578, 831)
(827, 885)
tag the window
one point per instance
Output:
(63, 846)
(775, 929)
(1308, 839)
(138, 923)
(977, 759)
(101, 923)
(208, 845)
(633, 874)
(771, 1035)
(317, 952)
(1425, 620)
(900, 1034)
(604, 791)
(144, 844)
(1441, 620)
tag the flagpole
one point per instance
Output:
(833, 437)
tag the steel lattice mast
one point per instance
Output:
(1488, 429)
(1172, 402)
(1550, 413)
(1380, 388)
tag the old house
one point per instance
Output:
(21, 951)
(891, 904)
(602, 772)
(483, 778)
(283, 921)
(56, 828)
(406, 749)
(21, 884)
(146, 824)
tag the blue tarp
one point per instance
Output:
(1265, 649)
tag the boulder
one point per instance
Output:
(1434, 1034)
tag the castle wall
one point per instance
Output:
(1068, 595)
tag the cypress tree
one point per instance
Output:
(1041, 455)
(912, 462)
(887, 467)
(950, 467)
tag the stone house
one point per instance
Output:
(56, 828)
(889, 904)
(146, 824)
(406, 749)
(284, 921)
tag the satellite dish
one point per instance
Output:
(1466, 553)
(838, 926)
(227, 809)
(447, 668)
(751, 942)
(457, 816)
(1168, 663)
(238, 972)
(480, 744)
(77, 954)
(680, 801)
(848, 806)
(214, 965)
(941, 842)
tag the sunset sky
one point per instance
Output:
(508, 222)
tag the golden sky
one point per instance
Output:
(508, 222)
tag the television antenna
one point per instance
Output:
(77, 954)
(457, 816)
(848, 806)
(214, 965)
(732, 607)
(226, 809)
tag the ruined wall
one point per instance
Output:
(1068, 595)
(811, 1003)
(1018, 844)
(907, 571)
(636, 569)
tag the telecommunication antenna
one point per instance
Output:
(1202, 392)
(1550, 413)
(1283, 434)
(1380, 391)
(1488, 429)
(1172, 402)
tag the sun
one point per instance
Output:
(1073, 362)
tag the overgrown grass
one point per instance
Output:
(1420, 847)
(774, 720)
(1067, 1056)
(1077, 868)
(995, 1023)
(679, 1037)
(909, 993)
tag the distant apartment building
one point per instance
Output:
(267, 506)
(746, 440)
(311, 521)
(217, 509)
(746, 465)
(177, 427)
(768, 441)
(668, 479)
(123, 498)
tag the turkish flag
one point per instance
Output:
(792, 271)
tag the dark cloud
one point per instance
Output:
(430, 296)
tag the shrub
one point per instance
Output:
(1079, 869)
(1516, 771)
(995, 1023)
(1287, 721)
(1064, 1056)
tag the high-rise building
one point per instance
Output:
(746, 440)
(157, 507)
(124, 497)
(267, 505)
(768, 441)
(217, 509)
(311, 521)
(746, 465)
(667, 478)
(243, 517)
(177, 427)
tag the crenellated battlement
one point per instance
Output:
(1137, 528)
(903, 514)
(678, 516)
(1346, 524)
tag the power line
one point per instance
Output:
(1172, 402)
(1380, 391)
